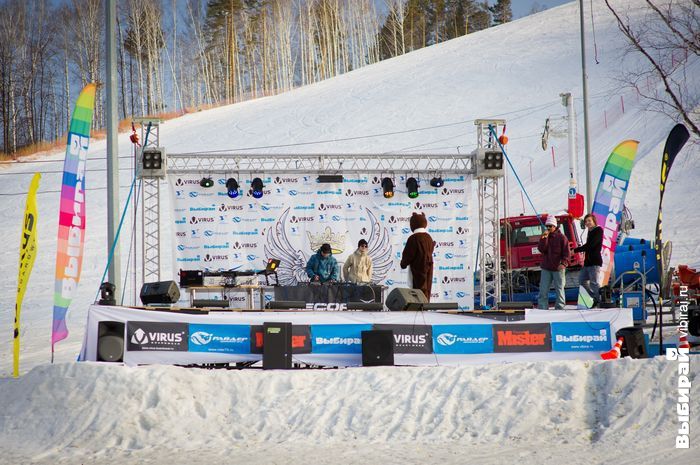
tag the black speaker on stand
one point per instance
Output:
(634, 345)
(403, 298)
(378, 348)
(110, 341)
(277, 346)
(163, 292)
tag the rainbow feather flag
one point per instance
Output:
(71, 219)
(610, 200)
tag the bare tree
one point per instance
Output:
(667, 38)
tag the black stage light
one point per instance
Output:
(152, 159)
(256, 188)
(437, 182)
(232, 187)
(493, 161)
(412, 186)
(388, 188)
(206, 182)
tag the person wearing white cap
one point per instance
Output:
(555, 258)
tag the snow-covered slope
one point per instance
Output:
(515, 71)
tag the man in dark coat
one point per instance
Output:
(418, 255)
(588, 277)
(555, 258)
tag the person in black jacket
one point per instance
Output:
(588, 277)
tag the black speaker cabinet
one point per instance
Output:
(634, 345)
(378, 348)
(107, 294)
(694, 321)
(163, 292)
(403, 298)
(110, 341)
(277, 346)
(191, 278)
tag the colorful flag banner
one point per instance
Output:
(27, 255)
(71, 221)
(610, 200)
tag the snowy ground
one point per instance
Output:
(619, 412)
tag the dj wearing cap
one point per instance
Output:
(555, 258)
(322, 267)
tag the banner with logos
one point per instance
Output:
(296, 214)
(335, 338)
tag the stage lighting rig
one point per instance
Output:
(207, 182)
(256, 188)
(412, 186)
(437, 182)
(232, 188)
(388, 188)
(153, 163)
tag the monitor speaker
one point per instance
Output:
(110, 341)
(694, 321)
(378, 348)
(403, 298)
(633, 345)
(277, 346)
(163, 292)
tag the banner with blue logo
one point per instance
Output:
(462, 339)
(337, 339)
(296, 214)
(581, 337)
(226, 339)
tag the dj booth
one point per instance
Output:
(335, 338)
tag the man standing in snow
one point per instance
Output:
(588, 277)
(322, 266)
(418, 255)
(555, 258)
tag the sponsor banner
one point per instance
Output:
(227, 339)
(296, 215)
(301, 339)
(462, 339)
(337, 339)
(583, 337)
(526, 337)
(160, 336)
(411, 339)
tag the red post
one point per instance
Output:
(554, 162)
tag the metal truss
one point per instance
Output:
(184, 163)
(489, 228)
(150, 208)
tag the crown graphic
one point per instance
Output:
(336, 240)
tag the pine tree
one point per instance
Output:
(502, 12)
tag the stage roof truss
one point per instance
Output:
(188, 163)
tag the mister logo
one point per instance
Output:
(153, 336)
(535, 337)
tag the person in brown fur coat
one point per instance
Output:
(418, 255)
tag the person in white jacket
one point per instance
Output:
(358, 266)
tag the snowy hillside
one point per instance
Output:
(427, 100)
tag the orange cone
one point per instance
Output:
(613, 353)
(683, 342)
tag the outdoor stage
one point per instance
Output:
(334, 338)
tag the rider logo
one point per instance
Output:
(292, 193)
(405, 230)
(236, 219)
(449, 256)
(526, 337)
(460, 294)
(459, 205)
(201, 338)
(193, 194)
(432, 218)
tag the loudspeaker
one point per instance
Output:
(110, 341)
(403, 298)
(163, 292)
(285, 304)
(694, 321)
(378, 348)
(107, 294)
(277, 346)
(210, 303)
(634, 345)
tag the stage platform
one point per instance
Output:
(334, 338)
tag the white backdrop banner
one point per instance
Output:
(297, 214)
